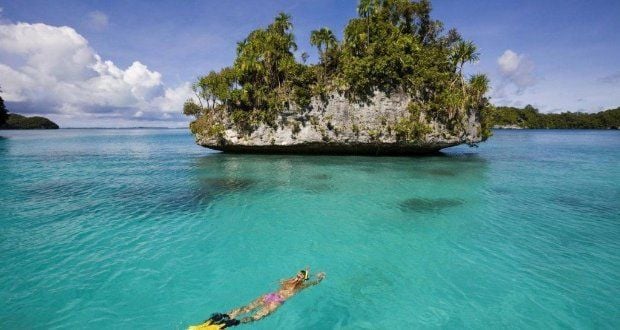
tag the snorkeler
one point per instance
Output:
(265, 304)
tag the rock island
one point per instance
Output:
(394, 84)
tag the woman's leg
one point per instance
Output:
(246, 309)
(266, 310)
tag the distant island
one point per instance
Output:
(393, 85)
(529, 117)
(15, 121)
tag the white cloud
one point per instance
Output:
(98, 20)
(508, 62)
(55, 70)
(173, 98)
(516, 69)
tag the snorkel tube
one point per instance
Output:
(306, 274)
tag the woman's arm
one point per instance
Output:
(319, 277)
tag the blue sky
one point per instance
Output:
(556, 55)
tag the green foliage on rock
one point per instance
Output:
(16, 121)
(394, 46)
(4, 114)
(529, 117)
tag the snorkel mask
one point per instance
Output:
(305, 273)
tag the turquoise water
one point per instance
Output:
(143, 229)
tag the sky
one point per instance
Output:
(131, 63)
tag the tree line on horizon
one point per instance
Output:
(393, 46)
(530, 117)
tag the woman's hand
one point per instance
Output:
(320, 276)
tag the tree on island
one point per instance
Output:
(393, 46)
(323, 40)
(4, 113)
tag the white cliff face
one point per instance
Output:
(341, 127)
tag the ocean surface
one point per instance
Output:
(136, 229)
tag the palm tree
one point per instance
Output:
(283, 23)
(278, 39)
(479, 84)
(365, 9)
(464, 52)
(323, 37)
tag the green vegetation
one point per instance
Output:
(16, 121)
(529, 117)
(394, 46)
(3, 112)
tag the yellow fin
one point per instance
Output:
(206, 326)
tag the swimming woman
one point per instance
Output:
(263, 305)
(268, 303)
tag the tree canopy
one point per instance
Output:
(529, 117)
(393, 46)
(3, 112)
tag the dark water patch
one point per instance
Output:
(318, 188)
(371, 169)
(321, 176)
(569, 201)
(580, 204)
(59, 189)
(210, 188)
(501, 190)
(441, 172)
(463, 157)
(226, 184)
(205, 191)
(139, 193)
(429, 205)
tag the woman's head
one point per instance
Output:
(302, 275)
(298, 279)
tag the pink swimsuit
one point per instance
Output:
(272, 298)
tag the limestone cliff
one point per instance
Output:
(385, 126)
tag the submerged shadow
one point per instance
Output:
(441, 172)
(321, 176)
(208, 190)
(501, 190)
(59, 189)
(580, 204)
(318, 188)
(429, 205)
